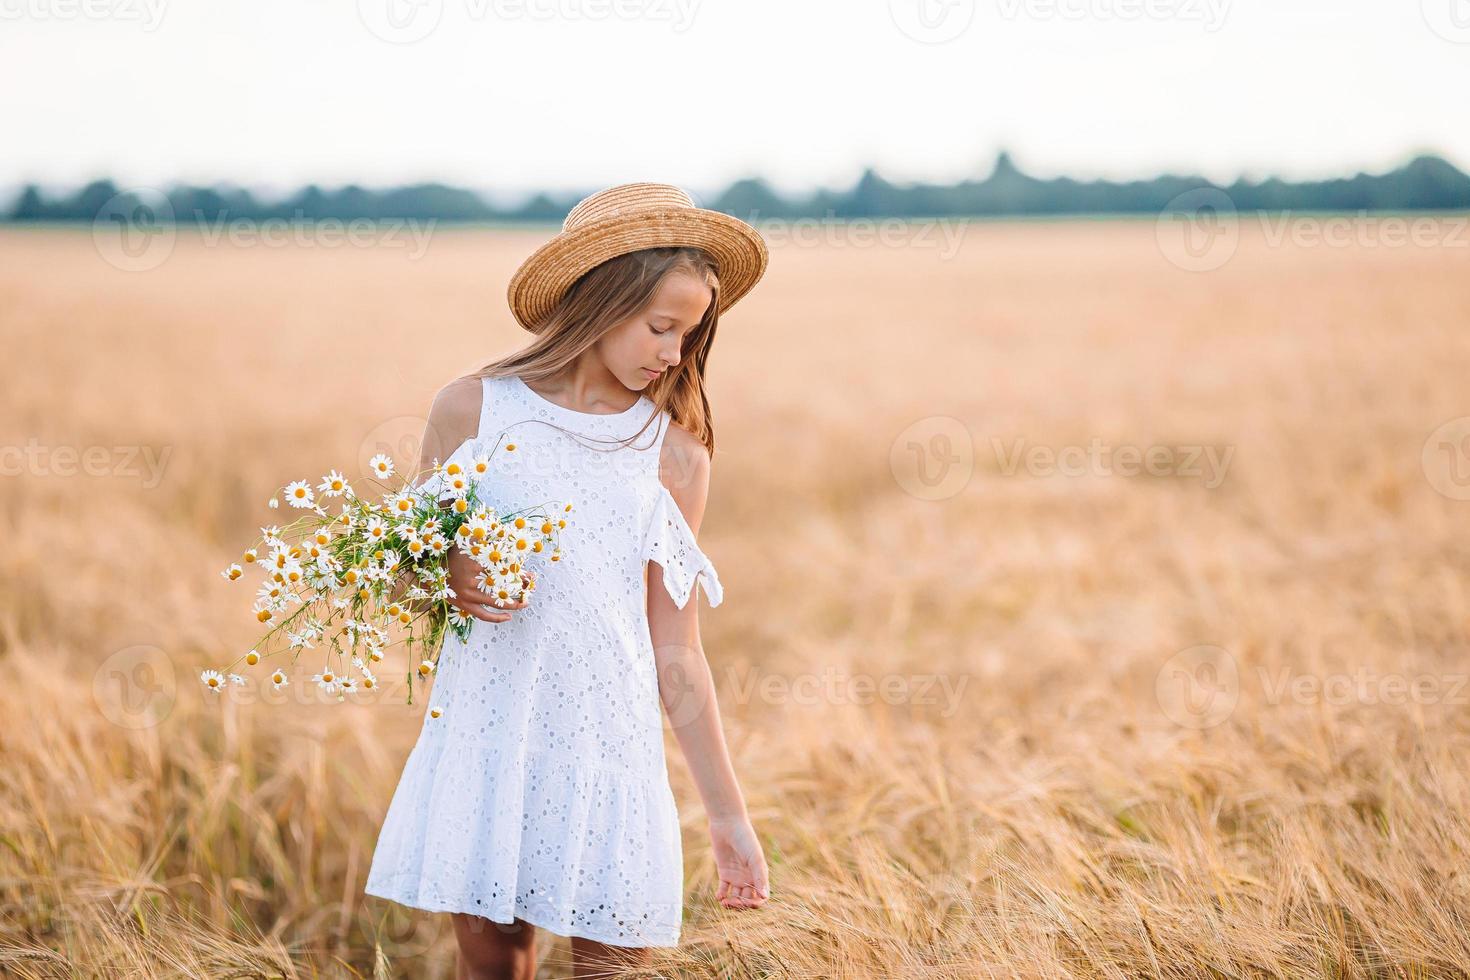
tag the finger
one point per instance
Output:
(489, 615)
(471, 594)
(480, 611)
(737, 898)
(723, 890)
(466, 597)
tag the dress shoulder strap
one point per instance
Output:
(486, 393)
(500, 405)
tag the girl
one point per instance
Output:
(537, 793)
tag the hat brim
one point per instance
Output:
(737, 248)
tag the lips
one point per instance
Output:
(652, 373)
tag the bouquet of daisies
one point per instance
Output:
(351, 585)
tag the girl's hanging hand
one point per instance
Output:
(462, 573)
(741, 863)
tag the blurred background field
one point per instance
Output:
(1030, 801)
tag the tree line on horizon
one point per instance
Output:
(1427, 182)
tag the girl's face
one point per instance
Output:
(642, 347)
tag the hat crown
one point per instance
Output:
(625, 199)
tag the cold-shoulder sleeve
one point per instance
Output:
(669, 541)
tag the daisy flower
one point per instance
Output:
(298, 494)
(334, 484)
(213, 680)
(279, 679)
(232, 573)
(381, 465)
(436, 712)
(369, 678)
(457, 485)
(327, 680)
(425, 668)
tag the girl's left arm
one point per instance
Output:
(687, 690)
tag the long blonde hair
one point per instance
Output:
(607, 295)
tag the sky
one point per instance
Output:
(510, 96)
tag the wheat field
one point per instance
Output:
(1003, 702)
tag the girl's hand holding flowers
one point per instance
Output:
(463, 574)
(420, 561)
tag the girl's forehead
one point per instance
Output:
(679, 293)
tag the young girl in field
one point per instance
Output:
(537, 793)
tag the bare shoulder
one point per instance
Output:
(454, 416)
(459, 402)
(684, 467)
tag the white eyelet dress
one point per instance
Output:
(542, 791)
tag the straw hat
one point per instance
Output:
(624, 219)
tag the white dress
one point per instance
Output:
(542, 791)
